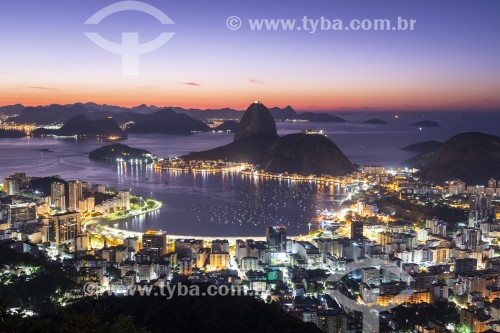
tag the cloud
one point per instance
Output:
(476, 102)
(256, 81)
(191, 84)
(41, 88)
(21, 88)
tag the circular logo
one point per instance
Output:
(234, 23)
(130, 49)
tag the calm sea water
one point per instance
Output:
(230, 204)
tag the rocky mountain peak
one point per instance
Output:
(257, 121)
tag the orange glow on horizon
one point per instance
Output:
(342, 99)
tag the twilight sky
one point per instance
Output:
(451, 61)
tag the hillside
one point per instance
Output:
(227, 126)
(306, 154)
(119, 151)
(166, 121)
(11, 134)
(375, 122)
(82, 127)
(425, 123)
(473, 157)
(423, 147)
(321, 118)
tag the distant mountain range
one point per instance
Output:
(56, 113)
(9, 110)
(283, 114)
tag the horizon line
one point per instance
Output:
(333, 109)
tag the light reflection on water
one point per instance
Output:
(228, 203)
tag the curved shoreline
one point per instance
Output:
(104, 221)
(89, 226)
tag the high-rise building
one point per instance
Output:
(373, 170)
(20, 176)
(357, 231)
(131, 242)
(276, 239)
(193, 245)
(75, 191)
(439, 254)
(155, 240)
(332, 321)
(370, 276)
(12, 213)
(439, 292)
(64, 227)
(14, 183)
(99, 188)
(471, 239)
(86, 186)
(423, 281)
(474, 202)
(186, 266)
(474, 319)
(219, 261)
(456, 187)
(82, 242)
(249, 264)
(479, 202)
(220, 246)
(58, 196)
(492, 183)
(465, 265)
(124, 199)
(87, 204)
(11, 186)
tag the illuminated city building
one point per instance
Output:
(276, 239)
(75, 191)
(155, 240)
(58, 196)
(64, 227)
